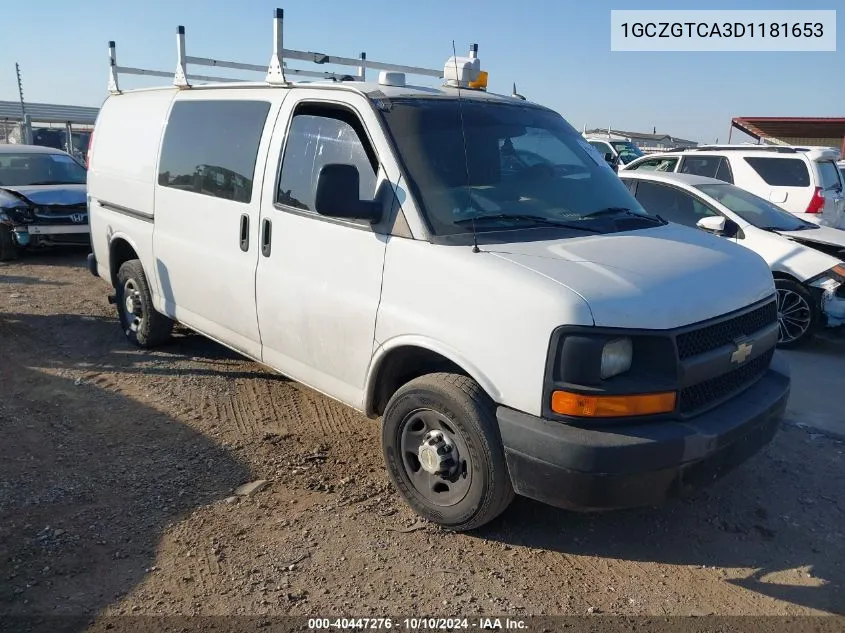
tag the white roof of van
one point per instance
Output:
(371, 89)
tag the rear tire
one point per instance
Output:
(475, 486)
(9, 249)
(798, 315)
(141, 323)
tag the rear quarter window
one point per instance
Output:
(210, 147)
(780, 172)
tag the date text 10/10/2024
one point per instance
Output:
(416, 624)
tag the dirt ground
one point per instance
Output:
(118, 469)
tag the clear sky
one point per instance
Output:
(557, 51)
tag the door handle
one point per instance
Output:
(244, 232)
(266, 237)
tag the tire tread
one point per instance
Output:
(467, 391)
(158, 327)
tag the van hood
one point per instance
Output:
(657, 278)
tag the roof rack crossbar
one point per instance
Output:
(276, 70)
(778, 149)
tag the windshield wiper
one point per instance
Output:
(625, 211)
(536, 219)
(800, 227)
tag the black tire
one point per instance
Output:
(481, 468)
(142, 325)
(8, 248)
(798, 314)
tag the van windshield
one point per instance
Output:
(509, 166)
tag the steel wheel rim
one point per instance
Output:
(794, 315)
(133, 309)
(439, 490)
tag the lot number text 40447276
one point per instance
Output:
(416, 624)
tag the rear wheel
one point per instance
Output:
(797, 313)
(8, 247)
(443, 451)
(142, 324)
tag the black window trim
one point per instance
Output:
(727, 162)
(369, 148)
(264, 132)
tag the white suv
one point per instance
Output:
(802, 180)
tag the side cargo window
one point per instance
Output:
(321, 135)
(210, 147)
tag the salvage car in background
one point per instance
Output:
(806, 259)
(42, 199)
(801, 180)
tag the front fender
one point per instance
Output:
(432, 345)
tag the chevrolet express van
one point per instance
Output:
(461, 265)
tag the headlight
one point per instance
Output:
(616, 357)
(831, 280)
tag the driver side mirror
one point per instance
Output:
(338, 195)
(713, 224)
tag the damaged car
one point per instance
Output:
(807, 260)
(42, 199)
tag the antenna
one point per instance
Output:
(473, 53)
(515, 94)
(25, 121)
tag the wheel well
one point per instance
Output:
(780, 275)
(400, 366)
(120, 252)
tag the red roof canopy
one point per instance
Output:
(791, 127)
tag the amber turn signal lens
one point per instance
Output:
(839, 269)
(583, 406)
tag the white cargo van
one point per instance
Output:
(460, 264)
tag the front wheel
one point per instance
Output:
(443, 451)
(142, 324)
(797, 313)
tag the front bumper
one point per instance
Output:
(833, 307)
(613, 467)
(54, 229)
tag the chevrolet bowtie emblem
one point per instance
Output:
(742, 352)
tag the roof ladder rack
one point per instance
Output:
(276, 72)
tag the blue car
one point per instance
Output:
(42, 199)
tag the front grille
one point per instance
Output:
(704, 393)
(714, 336)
